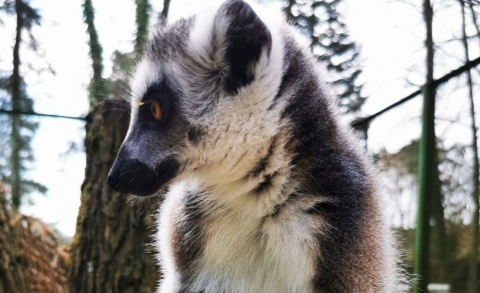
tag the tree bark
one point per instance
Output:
(110, 251)
(98, 88)
(16, 92)
(472, 274)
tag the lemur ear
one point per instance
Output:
(246, 36)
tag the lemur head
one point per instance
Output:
(202, 101)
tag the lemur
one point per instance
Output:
(264, 188)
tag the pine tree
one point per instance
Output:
(330, 42)
(21, 128)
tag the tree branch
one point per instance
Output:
(363, 122)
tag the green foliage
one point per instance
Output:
(28, 14)
(330, 41)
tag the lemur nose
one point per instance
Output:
(132, 176)
(113, 181)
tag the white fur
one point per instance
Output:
(201, 34)
(233, 259)
(166, 221)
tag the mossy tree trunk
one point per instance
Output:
(98, 88)
(111, 249)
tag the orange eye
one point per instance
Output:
(156, 110)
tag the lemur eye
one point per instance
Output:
(156, 110)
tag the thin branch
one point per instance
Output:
(474, 18)
(361, 122)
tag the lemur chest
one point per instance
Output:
(221, 249)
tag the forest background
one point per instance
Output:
(71, 58)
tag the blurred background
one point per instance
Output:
(405, 74)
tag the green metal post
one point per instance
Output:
(427, 162)
(426, 180)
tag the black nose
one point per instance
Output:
(133, 176)
(113, 181)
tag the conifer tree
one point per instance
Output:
(21, 128)
(330, 42)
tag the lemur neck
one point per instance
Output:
(261, 179)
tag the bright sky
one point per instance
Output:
(389, 32)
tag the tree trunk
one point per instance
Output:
(472, 278)
(16, 92)
(164, 13)
(98, 88)
(142, 18)
(428, 163)
(110, 251)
